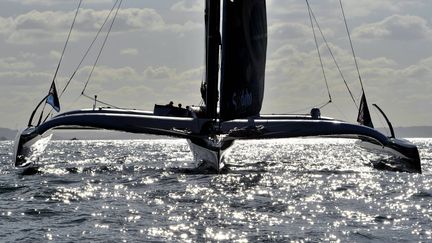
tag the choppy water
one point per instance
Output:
(276, 190)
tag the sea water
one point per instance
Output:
(309, 190)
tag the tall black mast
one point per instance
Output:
(212, 38)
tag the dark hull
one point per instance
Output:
(201, 131)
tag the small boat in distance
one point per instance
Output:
(232, 91)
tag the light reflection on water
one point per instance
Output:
(296, 189)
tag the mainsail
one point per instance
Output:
(209, 89)
(244, 47)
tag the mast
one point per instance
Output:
(212, 37)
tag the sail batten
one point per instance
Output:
(244, 47)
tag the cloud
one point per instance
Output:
(159, 73)
(286, 7)
(155, 77)
(369, 7)
(402, 90)
(104, 75)
(6, 25)
(126, 86)
(366, 7)
(286, 31)
(331, 7)
(188, 6)
(24, 78)
(395, 27)
(13, 63)
(49, 26)
(129, 52)
(55, 55)
(54, 2)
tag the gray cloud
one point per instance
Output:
(130, 51)
(23, 78)
(12, 63)
(287, 31)
(395, 27)
(292, 74)
(54, 2)
(188, 6)
(49, 26)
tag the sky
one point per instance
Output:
(155, 54)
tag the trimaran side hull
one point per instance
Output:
(196, 131)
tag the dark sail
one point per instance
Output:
(52, 98)
(209, 88)
(364, 117)
(244, 47)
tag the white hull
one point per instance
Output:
(210, 154)
(206, 158)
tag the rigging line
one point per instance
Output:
(42, 112)
(67, 40)
(69, 105)
(351, 44)
(34, 111)
(333, 56)
(83, 58)
(99, 101)
(340, 112)
(61, 58)
(321, 105)
(103, 45)
(326, 104)
(88, 49)
(49, 113)
(319, 52)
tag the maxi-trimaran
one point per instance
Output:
(232, 101)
